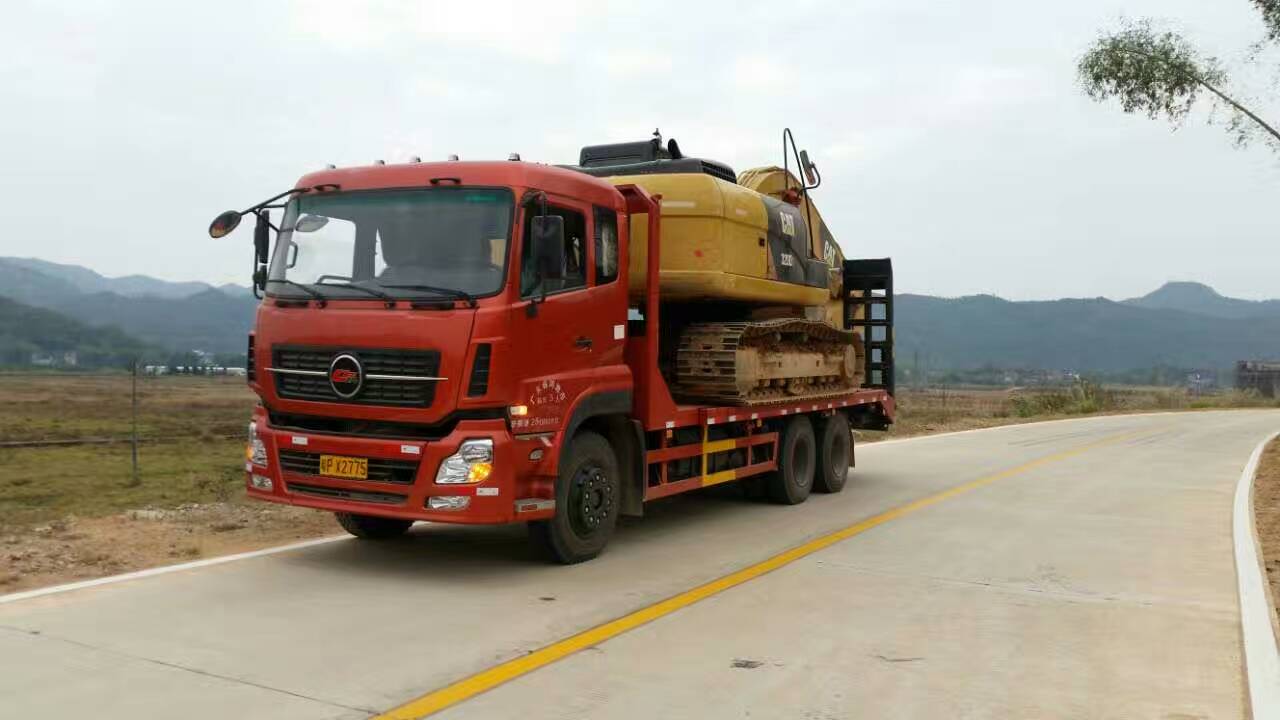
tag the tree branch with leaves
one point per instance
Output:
(1161, 74)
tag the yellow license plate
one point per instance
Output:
(341, 466)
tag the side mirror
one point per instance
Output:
(261, 249)
(811, 176)
(262, 238)
(224, 224)
(546, 242)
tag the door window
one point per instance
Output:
(575, 263)
(606, 245)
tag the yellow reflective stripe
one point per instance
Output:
(717, 446)
(720, 477)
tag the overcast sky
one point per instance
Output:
(952, 135)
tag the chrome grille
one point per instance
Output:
(392, 376)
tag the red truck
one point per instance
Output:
(447, 393)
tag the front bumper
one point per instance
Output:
(520, 488)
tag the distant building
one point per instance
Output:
(55, 359)
(1260, 375)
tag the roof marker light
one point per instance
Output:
(514, 157)
(453, 157)
(415, 159)
(379, 162)
(330, 166)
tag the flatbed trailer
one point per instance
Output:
(612, 440)
(723, 430)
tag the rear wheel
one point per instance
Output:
(587, 498)
(370, 527)
(791, 483)
(835, 454)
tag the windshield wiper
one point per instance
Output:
(318, 297)
(389, 299)
(459, 294)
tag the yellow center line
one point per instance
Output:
(486, 680)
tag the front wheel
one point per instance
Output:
(587, 496)
(371, 527)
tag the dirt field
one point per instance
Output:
(1266, 509)
(74, 548)
(75, 512)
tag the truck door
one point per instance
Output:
(571, 343)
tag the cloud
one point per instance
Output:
(951, 136)
(630, 63)
(532, 31)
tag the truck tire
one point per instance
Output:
(370, 527)
(835, 454)
(791, 483)
(588, 496)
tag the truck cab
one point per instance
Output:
(413, 355)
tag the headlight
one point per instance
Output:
(256, 450)
(473, 463)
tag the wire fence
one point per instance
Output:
(129, 409)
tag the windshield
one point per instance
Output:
(403, 243)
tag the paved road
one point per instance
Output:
(1082, 569)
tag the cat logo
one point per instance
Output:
(788, 224)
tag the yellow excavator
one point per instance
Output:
(755, 308)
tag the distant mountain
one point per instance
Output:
(1182, 324)
(1201, 299)
(88, 281)
(23, 284)
(184, 316)
(1080, 335)
(29, 333)
(211, 320)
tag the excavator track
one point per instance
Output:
(766, 362)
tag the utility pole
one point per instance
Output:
(136, 481)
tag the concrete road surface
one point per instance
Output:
(1081, 569)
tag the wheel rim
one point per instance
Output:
(590, 500)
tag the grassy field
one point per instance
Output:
(193, 438)
(69, 512)
(52, 406)
(943, 410)
(74, 512)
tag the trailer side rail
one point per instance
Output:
(708, 446)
